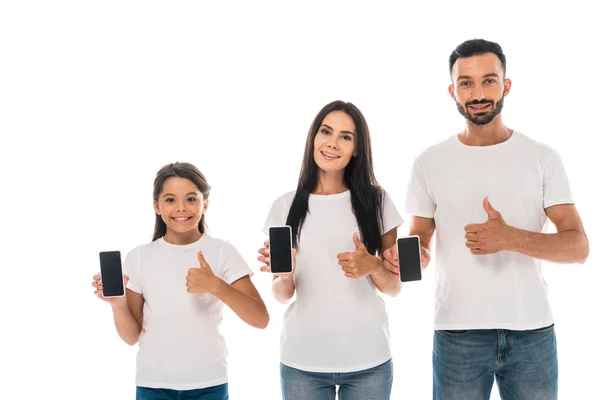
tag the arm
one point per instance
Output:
(283, 288)
(243, 298)
(128, 317)
(383, 278)
(568, 245)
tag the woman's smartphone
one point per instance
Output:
(280, 249)
(111, 273)
(409, 258)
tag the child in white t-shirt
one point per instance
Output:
(176, 287)
(336, 331)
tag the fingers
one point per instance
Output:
(390, 267)
(471, 244)
(471, 236)
(265, 268)
(267, 243)
(478, 252)
(473, 228)
(264, 260)
(345, 256)
(345, 263)
(202, 260)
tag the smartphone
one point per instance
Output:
(280, 249)
(409, 258)
(111, 273)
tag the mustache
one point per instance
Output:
(468, 103)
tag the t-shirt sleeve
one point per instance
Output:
(233, 265)
(277, 215)
(556, 183)
(419, 199)
(131, 267)
(391, 217)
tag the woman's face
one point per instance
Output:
(335, 142)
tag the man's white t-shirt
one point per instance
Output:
(521, 178)
(180, 346)
(336, 323)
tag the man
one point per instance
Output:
(487, 193)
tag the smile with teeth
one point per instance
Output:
(329, 155)
(180, 219)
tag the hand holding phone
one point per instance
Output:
(110, 282)
(278, 254)
(409, 258)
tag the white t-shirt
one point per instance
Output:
(180, 346)
(336, 323)
(449, 181)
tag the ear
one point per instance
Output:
(507, 86)
(451, 91)
(156, 207)
(204, 206)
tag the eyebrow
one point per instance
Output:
(330, 128)
(171, 194)
(490, 75)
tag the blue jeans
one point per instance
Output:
(524, 364)
(372, 384)
(219, 392)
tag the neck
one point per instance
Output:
(485, 135)
(181, 238)
(330, 183)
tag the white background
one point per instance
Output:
(96, 96)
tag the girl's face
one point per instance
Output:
(180, 205)
(335, 142)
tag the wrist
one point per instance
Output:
(515, 240)
(377, 268)
(220, 286)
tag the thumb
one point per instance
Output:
(202, 260)
(491, 211)
(359, 245)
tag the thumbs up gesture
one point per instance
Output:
(360, 262)
(490, 237)
(202, 279)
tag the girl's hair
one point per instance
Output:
(181, 170)
(366, 194)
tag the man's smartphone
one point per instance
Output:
(111, 273)
(409, 258)
(280, 249)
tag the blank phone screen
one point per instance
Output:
(111, 273)
(409, 258)
(280, 248)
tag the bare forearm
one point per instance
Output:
(283, 288)
(386, 281)
(569, 246)
(127, 327)
(250, 310)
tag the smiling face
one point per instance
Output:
(181, 206)
(335, 142)
(479, 87)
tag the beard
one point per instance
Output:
(482, 118)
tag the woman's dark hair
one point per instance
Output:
(366, 194)
(181, 170)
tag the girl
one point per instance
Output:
(181, 352)
(336, 332)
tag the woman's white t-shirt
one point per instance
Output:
(180, 346)
(336, 323)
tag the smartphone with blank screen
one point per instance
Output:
(280, 249)
(111, 273)
(409, 258)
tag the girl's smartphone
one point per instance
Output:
(111, 273)
(409, 258)
(280, 249)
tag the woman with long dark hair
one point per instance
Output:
(336, 331)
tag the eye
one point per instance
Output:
(490, 81)
(169, 200)
(465, 83)
(324, 131)
(347, 137)
(191, 199)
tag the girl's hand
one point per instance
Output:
(202, 279)
(113, 301)
(264, 258)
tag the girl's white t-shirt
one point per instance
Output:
(336, 323)
(180, 345)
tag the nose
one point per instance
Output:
(478, 93)
(333, 142)
(181, 206)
